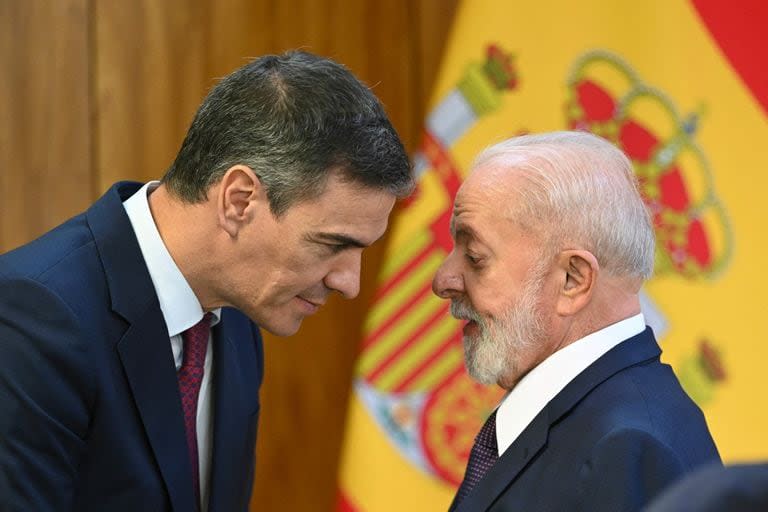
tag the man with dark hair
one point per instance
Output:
(130, 353)
(552, 245)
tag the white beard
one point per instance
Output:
(494, 353)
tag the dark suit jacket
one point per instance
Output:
(739, 488)
(90, 413)
(614, 437)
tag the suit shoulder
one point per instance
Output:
(642, 393)
(41, 333)
(646, 403)
(41, 256)
(26, 303)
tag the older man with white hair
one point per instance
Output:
(552, 246)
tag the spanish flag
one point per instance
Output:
(682, 87)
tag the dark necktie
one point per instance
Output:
(482, 457)
(190, 378)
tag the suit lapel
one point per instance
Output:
(509, 465)
(231, 423)
(533, 439)
(144, 350)
(151, 374)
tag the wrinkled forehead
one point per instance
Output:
(493, 199)
(476, 212)
(490, 184)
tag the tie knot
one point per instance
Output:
(487, 434)
(196, 342)
(482, 457)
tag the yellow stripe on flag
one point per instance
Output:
(399, 332)
(418, 351)
(443, 367)
(399, 259)
(390, 303)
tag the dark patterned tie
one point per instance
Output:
(482, 457)
(190, 377)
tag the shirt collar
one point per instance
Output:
(180, 307)
(545, 381)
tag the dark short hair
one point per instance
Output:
(293, 119)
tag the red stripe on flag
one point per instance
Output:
(401, 311)
(452, 340)
(443, 165)
(423, 328)
(343, 504)
(739, 27)
(407, 269)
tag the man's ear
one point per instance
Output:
(239, 190)
(579, 269)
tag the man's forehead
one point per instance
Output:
(472, 199)
(482, 216)
(461, 226)
(499, 177)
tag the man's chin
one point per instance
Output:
(282, 330)
(481, 367)
(281, 327)
(277, 317)
(478, 371)
(481, 376)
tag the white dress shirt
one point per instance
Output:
(545, 381)
(181, 310)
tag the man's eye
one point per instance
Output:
(473, 260)
(336, 248)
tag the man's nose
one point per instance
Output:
(345, 277)
(447, 282)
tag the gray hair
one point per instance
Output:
(293, 119)
(580, 192)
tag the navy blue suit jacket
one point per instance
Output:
(90, 413)
(614, 437)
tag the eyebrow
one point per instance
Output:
(462, 230)
(340, 238)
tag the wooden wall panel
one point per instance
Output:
(237, 31)
(432, 28)
(150, 76)
(45, 145)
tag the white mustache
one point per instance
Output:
(462, 311)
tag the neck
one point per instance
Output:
(187, 228)
(613, 302)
